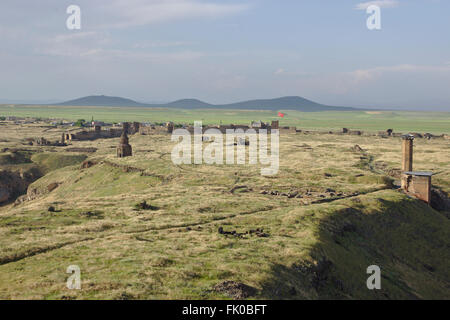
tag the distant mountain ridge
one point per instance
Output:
(102, 101)
(283, 103)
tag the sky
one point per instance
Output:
(227, 51)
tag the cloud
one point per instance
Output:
(107, 54)
(162, 44)
(75, 44)
(129, 13)
(380, 3)
(66, 37)
(343, 83)
(114, 13)
(348, 83)
(363, 75)
(284, 72)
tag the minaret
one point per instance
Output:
(407, 158)
(407, 149)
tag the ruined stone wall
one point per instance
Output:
(288, 130)
(93, 135)
(152, 130)
(421, 188)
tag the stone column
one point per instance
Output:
(407, 158)
(170, 127)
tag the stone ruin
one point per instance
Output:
(415, 183)
(95, 134)
(170, 127)
(256, 125)
(387, 133)
(134, 128)
(44, 142)
(124, 149)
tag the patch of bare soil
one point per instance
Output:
(38, 250)
(356, 148)
(88, 164)
(145, 206)
(52, 186)
(309, 194)
(259, 232)
(129, 169)
(92, 214)
(82, 150)
(240, 189)
(304, 146)
(235, 290)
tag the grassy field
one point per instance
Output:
(400, 121)
(345, 216)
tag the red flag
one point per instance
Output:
(280, 114)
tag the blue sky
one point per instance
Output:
(227, 51)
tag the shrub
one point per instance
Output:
(80, 123)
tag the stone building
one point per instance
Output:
(170, 127)
(124, 149)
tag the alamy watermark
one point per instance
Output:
(73, 22)
(374, 281)
(374, 20)
(74, 281)
(191, 149)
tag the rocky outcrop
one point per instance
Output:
(15, 184)
(4, 195)
(11, 186)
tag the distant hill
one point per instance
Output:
(103, 101)
(284, 103)
(189, 104)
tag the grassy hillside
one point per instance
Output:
(52, 161)
(309, 232)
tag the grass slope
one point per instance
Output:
(318, 246)
(52, 161)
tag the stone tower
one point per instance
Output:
(124, 149)
(407, 150)
(170, 127)
(407, 158)
(136, 127)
